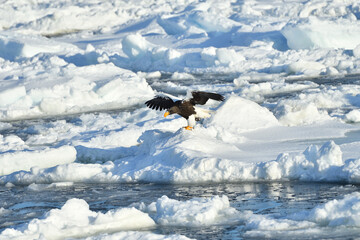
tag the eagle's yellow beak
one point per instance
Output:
(166, 114)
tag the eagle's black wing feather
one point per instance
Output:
(160, 103)
(201, 98)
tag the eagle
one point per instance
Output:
(186, 107)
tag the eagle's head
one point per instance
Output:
(172, 110)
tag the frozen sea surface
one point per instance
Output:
(82, 157)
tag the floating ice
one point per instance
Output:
(40, 187)
(314, 164)
(11, 95)
(194, 212)
(136, 46)
(136, 235)
(312, 105)
(14, 46)
(356, 51)
(353, 116)
(83, 89)
(316, 33)
(343, 212)
(4, 211)
(306, 67)
(75, 220)
(338, 215)
(35, 159)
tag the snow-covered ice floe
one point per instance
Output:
(58, 90)
(76, 220)
(223, 148)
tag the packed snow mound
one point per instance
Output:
(317, 33)
(238, 115)
(353, 116)
(195, 212)
(143, 54)
(75, 220)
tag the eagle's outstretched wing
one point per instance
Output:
(160, 103)
(201, 98)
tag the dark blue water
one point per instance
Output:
(279, 198)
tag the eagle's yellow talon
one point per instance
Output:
(188, 128)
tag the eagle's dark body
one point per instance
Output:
(185, 108)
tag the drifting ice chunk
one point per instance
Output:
(316, 33)
(194, 212)
(356, 51)
(75, 220)
(25, 160)
(338, 212)
(306, 67)
(339, 215)
(17, 45)
(135, 45)
(353, 116)
(314, 164)
(11, 95)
